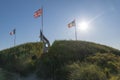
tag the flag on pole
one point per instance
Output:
(71, 24)
(38, 13)
(13, 32)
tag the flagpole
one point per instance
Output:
(75, 34)
(75, 31)
(42, 24)
(14, 37)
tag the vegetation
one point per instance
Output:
(86, 72)
(4, 75)
(21, 59)
(110, 63)
(63, 53)
(66, 60)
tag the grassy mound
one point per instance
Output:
(63, 53)
(21, 59)
(66, 60)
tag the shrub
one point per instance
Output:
(115, 77)
(4, 75)
(86, 72)
(108, 61)
(53, 64)
(21, 59)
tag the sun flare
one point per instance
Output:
(83, 26)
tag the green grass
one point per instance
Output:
(56, 64)
(62, 53)
(22, 58)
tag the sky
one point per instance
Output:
(103, 17)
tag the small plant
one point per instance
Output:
(86, 72)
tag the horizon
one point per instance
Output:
(60, 40)
(102, 16)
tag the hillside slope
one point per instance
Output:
(78, 50)
(66, 60)
(22, 58)
(81, 47)
(63, 53)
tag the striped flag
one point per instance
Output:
(71, 24)
(13, 32)
(38, 13)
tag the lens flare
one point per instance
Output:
(83, 26)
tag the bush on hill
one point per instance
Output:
(107, 61)
(62, 53)
(86, 71)
(4, 75)
(66, 60)
(21, 59)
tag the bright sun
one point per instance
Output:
(83, 26)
